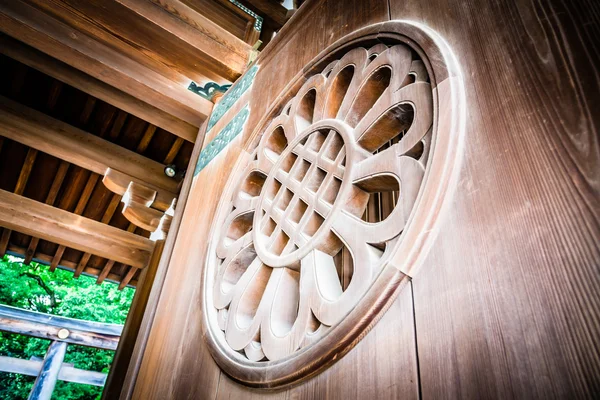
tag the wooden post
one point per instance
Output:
(131, 329)
(46, 380)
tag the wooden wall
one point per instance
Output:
(507, 301)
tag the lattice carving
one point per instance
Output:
(332, 204)
(296, 226)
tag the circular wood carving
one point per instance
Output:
(333, 207)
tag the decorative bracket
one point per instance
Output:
(211, 91)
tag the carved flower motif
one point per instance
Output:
(324, 199)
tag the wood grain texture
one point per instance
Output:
(67, 74)
(127, 387)
(311, 29)
(68, 229)
(204, 46)
(392, 376)
(92, 56)
(228, 16)
(507, 304)
(185, 367)
(68, 143)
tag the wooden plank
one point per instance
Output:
(79, 209)
(226, 15)
(94, 87)
(25, 171)
(4, 241)
(88, 108)
(115, 129)
(108, 213)
(81, 265)
(163, 373)
(87, 54)
(68, 229)
(57, 258)
(67, 373)
(55, 90)
(210, 46)
(145, 141)
(507, 303)
(46, 380)
(391, 374)
(66, 142)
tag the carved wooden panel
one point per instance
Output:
(305, 254)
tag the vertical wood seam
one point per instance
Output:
(412, 295)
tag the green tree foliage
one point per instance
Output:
(34, 287)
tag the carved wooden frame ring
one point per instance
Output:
(285, 212)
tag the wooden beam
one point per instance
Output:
(211, 45)
(79, 209)
(53, 224)
(67, 372)
(46, 326)
(46, 380)
(101, 61)
(46, 134)
(145, 141)
(127, 278)
(94, 87)
(123, 384)
(173, 151)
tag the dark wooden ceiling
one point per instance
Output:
(81, 191)
(71, 70)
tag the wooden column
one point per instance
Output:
(46, 380)
(121, 361)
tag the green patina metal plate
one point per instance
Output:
(231, 97)
(223, 138)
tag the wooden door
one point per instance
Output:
(495, 291)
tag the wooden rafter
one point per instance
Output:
(55, 91)
(49, 223)
(56, 184)
(220, 50)
(101, 61)
(19, 189)
(66, 142)
(94, 87)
